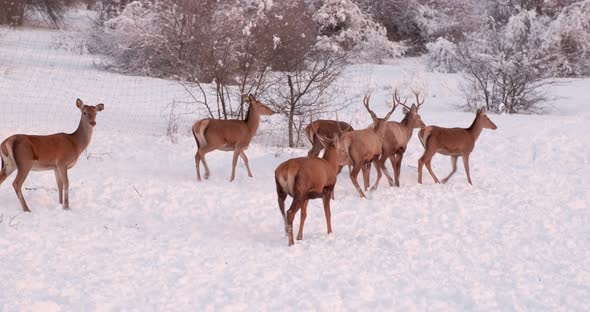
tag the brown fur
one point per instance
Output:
(58, 152)
(454, 142)
(306, 178)
(395, 142)
(228, 135)
(364, 147)
(324, 128)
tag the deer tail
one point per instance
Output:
(199, 131)
(423, 135)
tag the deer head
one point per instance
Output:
(89, 112)
(261, 108)
(378, 123)
(412, 117)
(335, 144)
(483, 119)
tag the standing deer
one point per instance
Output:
(324, 128)
(365, 146)
(397, 136)
(228, 135)
(452, 142)
(306, 178)
(58, 152)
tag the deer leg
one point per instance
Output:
(60, 186)
(466, 164)
(398, 167)
(454, 164)
(245, 159)
(326, 202)
(366, 168)
(302, 218)
(197, 163)
(233, 164)
(6, 172)
(281, 197)
(295, 205)
(425, 160)
(353, 177)
(380, 167)
(21, 175)
(63, 174)
(429, 167)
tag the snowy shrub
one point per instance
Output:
(442, 57)
(132, 41)
(344, 26)
(568, 41)
(14, 12)
(504, 67)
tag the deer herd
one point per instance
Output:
(301, 178)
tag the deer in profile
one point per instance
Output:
(228, 135)
(58, 152)
(306, 178)
(397, 136)
(365, 146)
(454, 142)
(325, 128)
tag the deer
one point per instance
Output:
(58, 152)
(306, 178)
(228, 135)
(454, 142)
(397, 136)
(325, 128)
(365, 147)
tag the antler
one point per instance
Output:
(394, 104)
(366, 103)
(417, 94)
(398, 100)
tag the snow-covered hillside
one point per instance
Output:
(144, 235)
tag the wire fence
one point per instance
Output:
(44, 71)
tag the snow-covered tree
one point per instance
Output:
(344, 26)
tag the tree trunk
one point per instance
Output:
(291, 112)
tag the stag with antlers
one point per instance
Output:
(365, 146)
(228, 135)
(306, 178)
(454, 142)
(397, 136)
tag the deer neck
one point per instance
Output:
(331, 157)
(253, 120)
(475, 128)
(82, 135)
(408, 130)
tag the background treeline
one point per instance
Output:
(507, 50)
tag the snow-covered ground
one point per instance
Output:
(143, 235)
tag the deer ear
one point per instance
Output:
(251, 97)
(406, 111)
(413, 107)
(483, 110)
(79, 103)
(99, 107)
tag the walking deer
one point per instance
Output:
(58, 152)
(306, 178)
(228, 135)
(452, 142)
(397, 136)
(325, 128)
(364, 147)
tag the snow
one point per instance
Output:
(143, 234)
